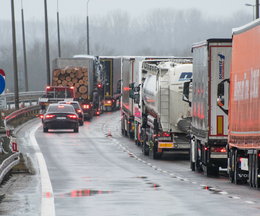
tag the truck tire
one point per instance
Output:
(192, 147)
(250, 171)
(237, 180)
(155, 155)
(192, 164)
(253, 171)
(209, 170)
(45, 129)
(145, 149)
(230, 165)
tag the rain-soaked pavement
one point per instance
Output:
(98, 172)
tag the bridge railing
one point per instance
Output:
(21, 116)
(24, 97)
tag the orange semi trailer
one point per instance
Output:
(244, 106)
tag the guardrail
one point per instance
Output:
(20, 116)
(11, 121)
(24, 97)
(8, 164)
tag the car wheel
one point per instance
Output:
(45, 130)
(81, 123)
(76, 130)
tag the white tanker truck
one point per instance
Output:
(166, 117)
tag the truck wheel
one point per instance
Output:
(231, 165)
(257, 181)
(250, 171)
(145, 149)
(45, 129)
(237, 180)
(131, 135)
(192, 164)
(154, 154)
(210, 170)
(253, 170)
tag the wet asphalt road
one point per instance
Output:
(93, 173)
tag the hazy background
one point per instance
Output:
(117, 27)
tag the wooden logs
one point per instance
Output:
(72, 76)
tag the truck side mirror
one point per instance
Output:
(220, 101)
(221, 93)
(186, 92)
(221, 89)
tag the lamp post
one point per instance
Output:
(253, 6)
(255, 9)
(16, 89)
(58, 29)
(47, 44)
(87, 29)
(24, 51)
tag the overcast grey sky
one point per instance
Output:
(77, 8)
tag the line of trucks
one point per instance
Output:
(207, 105)
(93, 81)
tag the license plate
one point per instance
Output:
(165, 145)
(107, 104)
(61, 117)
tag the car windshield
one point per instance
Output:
(60, 108)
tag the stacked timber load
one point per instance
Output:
(72, 76)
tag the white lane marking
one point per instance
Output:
(47, 202)
(250, 202)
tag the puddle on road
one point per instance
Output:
(83, 193)
(142, 177)
(145, 178)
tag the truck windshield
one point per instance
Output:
(59, 92)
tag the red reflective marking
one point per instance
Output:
(47, 195)
(73, 193)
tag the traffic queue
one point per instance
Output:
(222, 92)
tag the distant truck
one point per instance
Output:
(244, 103)
(110, 83)
(54, 94)
(209, 126)
(131, 73)
(166, 118)
(81, 73)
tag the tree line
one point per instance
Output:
(159, 32)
